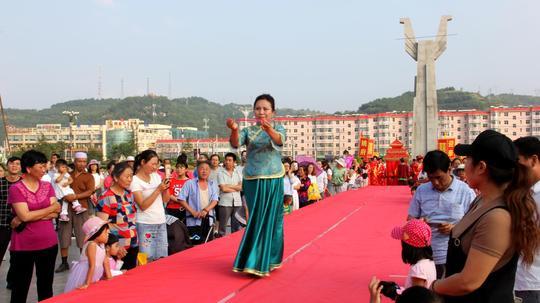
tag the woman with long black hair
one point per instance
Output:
(501, 224)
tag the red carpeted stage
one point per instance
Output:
(331, 251)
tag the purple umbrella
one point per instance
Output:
(306, 160)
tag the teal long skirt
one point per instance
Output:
(261, 249)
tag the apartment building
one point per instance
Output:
(306, 135)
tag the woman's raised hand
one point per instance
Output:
(231, 124)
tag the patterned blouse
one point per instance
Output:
(303, 190)
(121, 211)
(263, 155)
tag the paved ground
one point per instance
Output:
(59, 279)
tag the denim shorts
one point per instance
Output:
(153, 240)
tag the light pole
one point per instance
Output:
(72, 115)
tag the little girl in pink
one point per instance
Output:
(93, 263)
(416, 251)
(112, 248)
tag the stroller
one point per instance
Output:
(204, 232)
(177, 235)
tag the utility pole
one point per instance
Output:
(206, 127)
(122, 88)
(4, 120)
(72, 115)
(170, 87)
(99, 95)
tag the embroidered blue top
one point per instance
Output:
(263, 155)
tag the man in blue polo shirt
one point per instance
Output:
(442, 202)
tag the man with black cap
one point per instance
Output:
(527, 285)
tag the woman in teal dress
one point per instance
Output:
(261, 249)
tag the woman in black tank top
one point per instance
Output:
(501, 224)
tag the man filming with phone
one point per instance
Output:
(441, 202)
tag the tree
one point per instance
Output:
(187, 147)
(44, 147)
(94, 153)
(122, 150)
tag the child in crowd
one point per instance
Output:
(416, 251)
(61, 184)
(93, 263)
(111, 248)
(175, 186)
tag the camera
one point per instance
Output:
(389, 289)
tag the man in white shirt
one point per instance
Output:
(527, 284)
(230, 185)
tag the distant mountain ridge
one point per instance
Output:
(177, 112)
(191, 111)
(447, 98)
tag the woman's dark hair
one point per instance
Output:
(112, 239)
(314, 171)
(268, 98)
(292, 162)
(324, 164)
(418, 294)
(55, 155)
(146, 155)
(90, 167)
(182, 158)
(303, 168)
(119, 169)
(184, 164)
(111, 164)
(31, 158)
(286, 160)
(99, 232)
(520, 203)
(411, 255)
(436, 160)
(232, 155)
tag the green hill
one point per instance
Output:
(448, 98)
(176, 112)
(191, 111)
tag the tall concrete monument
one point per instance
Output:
(425, 110)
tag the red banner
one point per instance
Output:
(365, 149)
(447, 145)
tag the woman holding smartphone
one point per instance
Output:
(261, 249)
(149, 193)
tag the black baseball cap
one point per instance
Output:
(492, 147)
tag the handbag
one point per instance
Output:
(313, 192)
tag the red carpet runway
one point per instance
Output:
(332, 249)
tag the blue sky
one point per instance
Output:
(325, 55)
